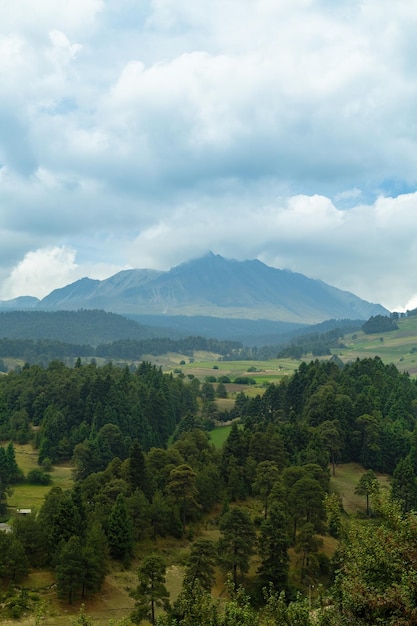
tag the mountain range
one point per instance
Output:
(209, 286)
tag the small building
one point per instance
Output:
(23, 511)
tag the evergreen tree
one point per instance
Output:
(119, 531)
(368, 485)
(273, 547)
(15, 474)
(138, 473)
(182, 485)
(329, 431)
(404, 485)
(237, 541)
(194, 607)
(69, 571)
(306, 501)
(95, 555)
(13, 560)
(151, 591)
(267, 473)
(200, 565)
(308, 544)
(30, 533)
(59, 520)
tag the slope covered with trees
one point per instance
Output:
(266, 494)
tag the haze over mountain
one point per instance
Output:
(212, 286)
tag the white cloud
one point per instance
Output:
(34, 19)
(42, 271)
(145, 133)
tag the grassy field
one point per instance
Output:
(31, 496)
(219, 435)
(398, 347)
(344, 483)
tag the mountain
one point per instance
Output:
(75, 327)
(215, 286)
(22, 303)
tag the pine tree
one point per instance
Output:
(69, 571)
(119, 531)
(182, 486)
(138, 473)
(404, 485)
(237, 541)
(94, 557)
(273, 547)
(201, 564)
(151, 591)
(14, 472)
(267, 474)
(368, 484)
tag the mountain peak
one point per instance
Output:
(215, 286)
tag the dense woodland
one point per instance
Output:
(144, 468)
(40, 337)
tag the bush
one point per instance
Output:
(38, 477)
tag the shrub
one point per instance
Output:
(38, 477)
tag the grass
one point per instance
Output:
(219, 435)
(398, 347)
(26, 496)
(344, 483)
(266, 371)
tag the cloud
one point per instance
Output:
(42, 271)
(145, 133)
(361, 250)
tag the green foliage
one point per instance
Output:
(194, 606)
(69, 571)
(237, 541)
(81, 565)
(377, 582)
(367, 486)
(404, 485)
(273, 544)
(133, 485)
(379, 324)
(182, 485)
(82, 619)
(267, 474)
(151, 591)
(119, 531)
(31, 534)
(13, 560)
(200, 565)
(60, 519)
(38, 477)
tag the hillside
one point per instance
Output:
(218, 287)
(76, 327)
(398, 347)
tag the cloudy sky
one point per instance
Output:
(143, 133)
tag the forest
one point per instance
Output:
(253, 513)
(40, 337)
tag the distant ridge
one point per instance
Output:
(22, 303)
(217, 287)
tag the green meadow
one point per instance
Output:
(24, 496)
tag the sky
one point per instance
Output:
(144, 133)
